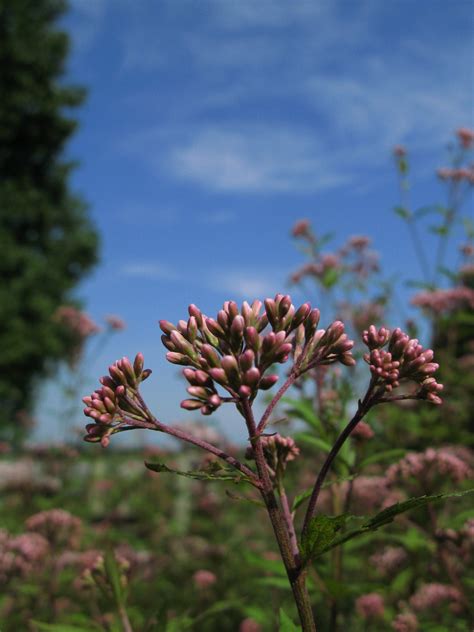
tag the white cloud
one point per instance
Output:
(149, 270)
(255, 158)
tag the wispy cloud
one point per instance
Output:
(254, 158)
(149, 270)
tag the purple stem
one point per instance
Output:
(274, 402)
(362, 409)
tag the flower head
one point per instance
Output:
(403, 359)
(117, 403)
(235, 350)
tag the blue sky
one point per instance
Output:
(211, 126)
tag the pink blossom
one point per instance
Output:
(428, 465)
(362, 431)
(442, 301)
(302, 228)
(359, 242)
(370, 606)
(466, 137)
(249, 625)
(204, 579)
(406, 622)
(56, 525)
(78, 322)
(399, 151)
(467, 249)
(390, 559)
(114, 322)
(432, 595)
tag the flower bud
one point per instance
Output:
(267, 382)
(138, 364)
(191, 404)
(178, 358)
(166, 327)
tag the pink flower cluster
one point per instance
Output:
(57, 525)
(433, 595)
(204, 579)
(370, 606)
(115, 322)
(117, 400)
(78, 322)
(389, 560)
(466, 137)
(404, 359)
(362, 431)
(443, 301)
(278, 450)
(457, 175)
(234, 352)
(22, 554)
(405, 622)
(432, 463)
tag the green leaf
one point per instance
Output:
(286, 624)
(452, 276)
(112, 572)
(379, 457)
(385, 517)
(317, 442)
(322, 531)
(403, 212)
(439, 230)
(303, 409)
(281, 583)
(215, 472)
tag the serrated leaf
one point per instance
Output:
(403, 212)
(320, 534)
(388, 515)
(286, 624)
(215, 472)
(379, 457)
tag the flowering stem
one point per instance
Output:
(361, 411)
(296, 575)
(154, 424)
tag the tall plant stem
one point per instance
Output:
(296, 575)
(361, 411)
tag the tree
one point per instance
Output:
(47, 241)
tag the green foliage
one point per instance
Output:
(286, 624)
(47, 241)
(323, 529)
(214, 472)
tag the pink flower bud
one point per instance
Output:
(191, 404)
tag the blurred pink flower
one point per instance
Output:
(302, 228)
(362, 431)
(370, 606)
(432, 595)
(466, 137)
(399, 151)
(442, 301)
(204, 579)
(432, 463)
(390, 559)
(114, 322)
(406, 622)
(57, 526)
(249, 625)
(78, 322)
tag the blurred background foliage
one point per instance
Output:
(47, 241)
